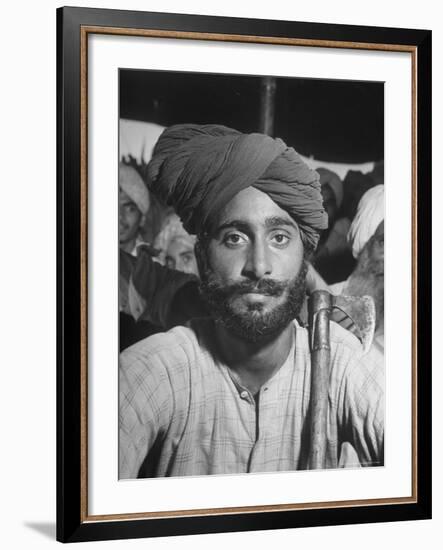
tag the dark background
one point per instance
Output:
(331, 120)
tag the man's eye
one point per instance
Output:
(234, 239)
(187, 258)
(280, 239)
(129, 208)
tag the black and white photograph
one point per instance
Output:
(208, 340)
(225, 185)
(251, 217)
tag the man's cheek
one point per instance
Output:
(226, 263)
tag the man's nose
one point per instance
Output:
(258, 262)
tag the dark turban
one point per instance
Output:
(199, 169)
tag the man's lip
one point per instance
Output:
(260, 292)
(255, 295)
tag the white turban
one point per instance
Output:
(370, 212)
(130, 181)
(172, 228)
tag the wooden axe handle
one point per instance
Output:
(319, 314)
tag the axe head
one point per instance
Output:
(356, 314)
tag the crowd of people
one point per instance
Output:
(222, 237)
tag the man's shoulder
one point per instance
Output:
(342, 337)
(176, 346)
(348, 358)
(339, 337)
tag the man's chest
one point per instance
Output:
(230, 431)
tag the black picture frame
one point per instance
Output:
(72, 518)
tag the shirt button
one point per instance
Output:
(244, 394)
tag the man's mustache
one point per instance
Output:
(267, 287)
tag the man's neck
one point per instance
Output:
(254, 362)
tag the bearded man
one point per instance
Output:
(367, 240)
(230, 393)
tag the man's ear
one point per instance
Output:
(142, 221)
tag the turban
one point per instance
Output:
(132, 184)
(328, 177)
(370, 212)
(198, 169)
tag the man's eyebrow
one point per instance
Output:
(276, 221)
(270, 223)
(238, 224)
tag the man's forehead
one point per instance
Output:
(253, 207)
(181, 243)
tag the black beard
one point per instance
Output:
(254, 325)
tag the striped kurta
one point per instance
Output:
(183, 412)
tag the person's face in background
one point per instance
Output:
(130, 219)
(377, 246)
(180, 255)
(329, 203)
(368, 275)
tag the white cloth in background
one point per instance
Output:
(131, 183)
(137, 139)
(370, 212)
